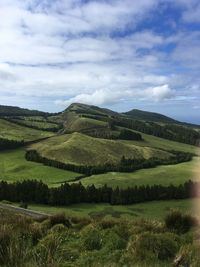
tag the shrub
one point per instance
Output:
(36, 232)
(91, 238)
(23, 205)
(49, 251)
(188, 255)
(105, 223)
(112, 241)
(59, 218)
(153, 246)
(14, 248)
(178, 222)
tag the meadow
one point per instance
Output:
(14, 167)
(13, 131)
(164, 175)
(155, 210)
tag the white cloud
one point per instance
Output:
(159, 93)
(110, 97)
(67, 49)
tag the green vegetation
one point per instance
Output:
(148, 116)
(59, 242)
(37, 124)
(9, 130)
(149, 210)
(80, 149)
(164, 175)
(16, 111)
(14, 167)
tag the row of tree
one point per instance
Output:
(36, 127)
(125, 165)
(168, 131)
(10, 144)
(113, 134)
(37, 192)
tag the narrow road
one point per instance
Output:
(31, 213)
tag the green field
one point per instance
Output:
(9, 130)
(40, 124)
(81, 149)
(14, 167)
(149, 210)
(156, 142)
(164, 175)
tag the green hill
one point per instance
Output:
(149, 116)
(16, 111)
(80, 149)
(104, 123)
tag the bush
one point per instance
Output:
(188, 255)
(106, 223)
(49, 251)
(14, 247)
(59, 218)
(153, 246)
(23, 205)
(112, 241)
(91, 238)
(178, 222)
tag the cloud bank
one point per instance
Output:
(107, 53)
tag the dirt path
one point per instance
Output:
(27, 212)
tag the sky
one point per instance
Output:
(110, 53)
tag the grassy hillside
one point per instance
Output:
(156, 142)
(13, 131)
(79, 117)
(14, 167)
(81, 149)
(148, 116)
(164, 175)
(58, 241)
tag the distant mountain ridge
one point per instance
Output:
(149, 116)
(80, 108)
(17, 111)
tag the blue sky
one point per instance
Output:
(112, 53)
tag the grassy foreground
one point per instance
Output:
(57, 241)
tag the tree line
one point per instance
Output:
(10, 144)
(113, 134)
(168, 131)
(33, 191)
(125, 165)
(21, 123)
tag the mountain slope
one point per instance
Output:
(137, 114)
(16, 111)
(81, 149)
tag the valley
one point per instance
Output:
(96, 183)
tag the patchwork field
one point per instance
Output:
(12, 131)
(164, 175)
(14, 167)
